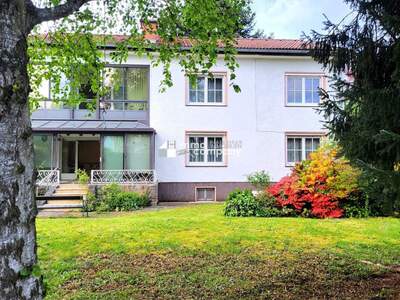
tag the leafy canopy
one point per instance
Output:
(75, 47)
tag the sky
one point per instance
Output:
(287, 19)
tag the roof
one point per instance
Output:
(243, 45)
(247, 45)
(89, 126)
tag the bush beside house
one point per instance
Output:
(113, 198)
(324, 186)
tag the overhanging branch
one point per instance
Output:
(53, 13)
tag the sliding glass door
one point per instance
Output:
(138, 151)
(129, 151)
(113, 152)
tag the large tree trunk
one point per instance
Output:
(17, 203)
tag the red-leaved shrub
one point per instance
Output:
(317, 185)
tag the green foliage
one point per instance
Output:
(72, 51)
(82, 176)
(260, 180)
(241, 203)
(268, 206)
(91, 202)
(363, 110)
(112, 198)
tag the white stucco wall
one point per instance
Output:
(257, 117)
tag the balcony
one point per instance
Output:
(112, 110)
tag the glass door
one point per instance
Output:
(68, 159)
(113, 152)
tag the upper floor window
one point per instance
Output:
(303, 90)
(128, 88)
(299, 148)
(207, 90)
(206, 149)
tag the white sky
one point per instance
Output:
(289, 18)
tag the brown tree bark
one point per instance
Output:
(17, 179)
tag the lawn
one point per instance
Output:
(194, 252)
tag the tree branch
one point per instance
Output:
(53, 13)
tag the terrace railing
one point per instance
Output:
(48, 178)
(47, 181)
(122, 176)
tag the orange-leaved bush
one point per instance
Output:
(319, 184)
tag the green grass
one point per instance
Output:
(196, 252)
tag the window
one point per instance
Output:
(43, 151)
(303, 90)
(113, 152)
(206, 90)
(48, 97)
(138, 151)
(206, 150)
(128, 88)
(205, 193)
(299, 148)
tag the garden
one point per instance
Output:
(326, 185)
(317, 233)
(195, 252)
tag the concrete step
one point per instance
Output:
(72, 193)
(60, 207)
(63, 202)
(73, 185)
(69, 188)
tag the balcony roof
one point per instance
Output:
(92, 126)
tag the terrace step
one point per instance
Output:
(64, 207)
(61, 202)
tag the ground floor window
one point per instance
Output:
(43, 151)
(299, 148)
(205, 194)
(206, 149)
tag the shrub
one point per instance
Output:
(112, 198)
(268, 206)
(319, 186)
(90, 203)
(241, 203)
(81, 176)
(260, 180)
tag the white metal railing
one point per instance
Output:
(48, 178)
(122, 176)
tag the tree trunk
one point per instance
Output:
(17, 202)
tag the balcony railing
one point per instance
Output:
(122, 176)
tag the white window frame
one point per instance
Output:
(206, 135)
(303, 76)
(303, 145)
(206, 102)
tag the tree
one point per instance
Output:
(71, 48)
(248, 24)
(363, 109)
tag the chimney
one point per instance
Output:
(149, 30)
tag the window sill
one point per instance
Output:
(302, 105)
(202, 165)
(207, 104)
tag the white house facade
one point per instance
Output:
(201, 140)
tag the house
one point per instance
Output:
(194, 142)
